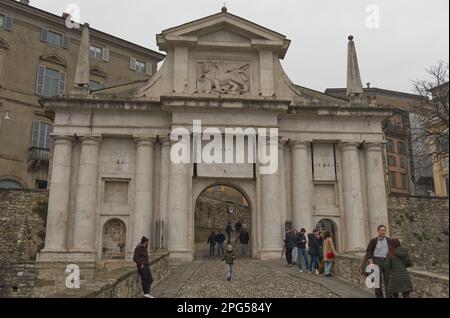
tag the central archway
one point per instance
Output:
(217, 206)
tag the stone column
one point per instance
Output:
(86, 199)
(164, 189)
(272, 235)
(58, 203)
(301, 186)
(178, 213)
(143, 193)
(281, 172)
(353, 203)
(376, 188)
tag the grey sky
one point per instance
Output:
(413, 34)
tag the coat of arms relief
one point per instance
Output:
(223, 77)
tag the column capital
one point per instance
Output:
(374, 145)
(62, 139)
(144, 141)
(349, 145)
(282, 143)
(299, 144)
(164, 140)
(90, 140)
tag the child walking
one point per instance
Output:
(229, 258)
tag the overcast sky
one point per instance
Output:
(412, 34)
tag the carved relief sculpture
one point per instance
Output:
(223, 77)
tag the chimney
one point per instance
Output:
(368, 85)
(27, 2)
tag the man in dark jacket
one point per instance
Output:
(301, 250)
(228, 230)
(238, 227)
(289, 242)
(220, 238)
(244, 238)
(141, 259)
(314, 251)
(376, 253)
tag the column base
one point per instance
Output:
(181, 255)
(270, 254)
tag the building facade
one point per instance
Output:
(112, 159)
(38, 57)
(404, 174)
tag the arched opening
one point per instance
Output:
(328, 225)
(215, 208)
(10, 184)
(114, 238)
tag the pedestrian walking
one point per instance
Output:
(229, 258)
(329, 253)
(211, 242)
(396, 264)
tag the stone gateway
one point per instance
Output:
(112, 180)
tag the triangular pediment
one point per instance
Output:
(223, 28)
(4, 44)
(97, 71)
(53, 58)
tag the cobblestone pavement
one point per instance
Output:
(206, 278)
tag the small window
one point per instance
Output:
(446, 184)
(96, 52)
(41, 135)
(392, 177)
(54, 38)
(403, 162)
(6, 22)
(391, 146)
(140, 66)
(404, 180)
(10, 184)
(392, 162)
(401, 146)
(41, 184)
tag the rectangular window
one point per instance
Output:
(403, 162)
(446, 184)
(404, 181)
(401, 146)
(6, 22)
(392, 162)
(54, 38)
(41, 184)
(41, 135)
(391, 146)
(392, 177)
(96, 52)
(140, 66)
(50, 82)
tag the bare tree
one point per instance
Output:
(429, 131)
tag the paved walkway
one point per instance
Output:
(205, 278)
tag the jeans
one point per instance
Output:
(314, 262)
(244, 250)
(229, 237)
(229, 271)
(384, 279)
(328, 267)
(220, 248)
(289, 255)
(301, 252)
(146, 278)
(211, 249)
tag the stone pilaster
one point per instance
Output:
(86, 197)
(164, 189)
(301, 186)
(281, 173)
(376, 189)
(143, 200)
(272, 236)
(58, 204)
(353, 203)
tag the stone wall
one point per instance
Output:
(421, 224)
(425, 284)
(23, 217)
(118, 283)
(212, 215)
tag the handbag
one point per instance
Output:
(330, 255)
